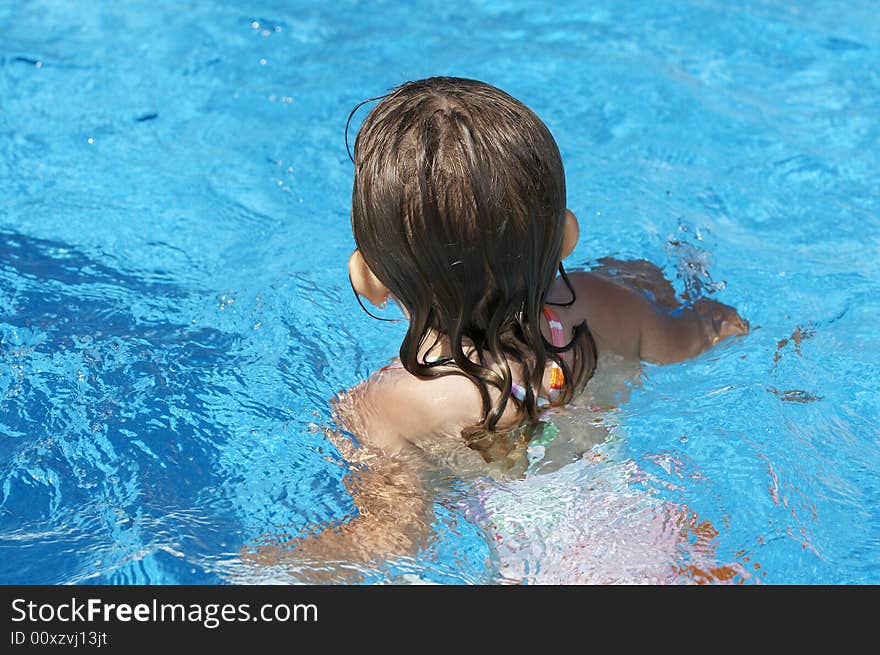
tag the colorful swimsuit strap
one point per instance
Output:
(391, 366)
(557, 338)
(557, 334)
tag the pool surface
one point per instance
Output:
(175, 311)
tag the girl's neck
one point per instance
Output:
(435, 346)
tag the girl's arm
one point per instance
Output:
(389, 481)
(394, 515)
(626, 321)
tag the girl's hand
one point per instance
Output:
(719, 320)
(305, 562)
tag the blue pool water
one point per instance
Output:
(175, 311)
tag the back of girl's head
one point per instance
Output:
(458, 208)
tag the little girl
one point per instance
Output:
(459, 216)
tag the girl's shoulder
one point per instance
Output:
(393, 409)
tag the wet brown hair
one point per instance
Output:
(458, 208)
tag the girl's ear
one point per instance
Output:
(570, 235)
(363, 280)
